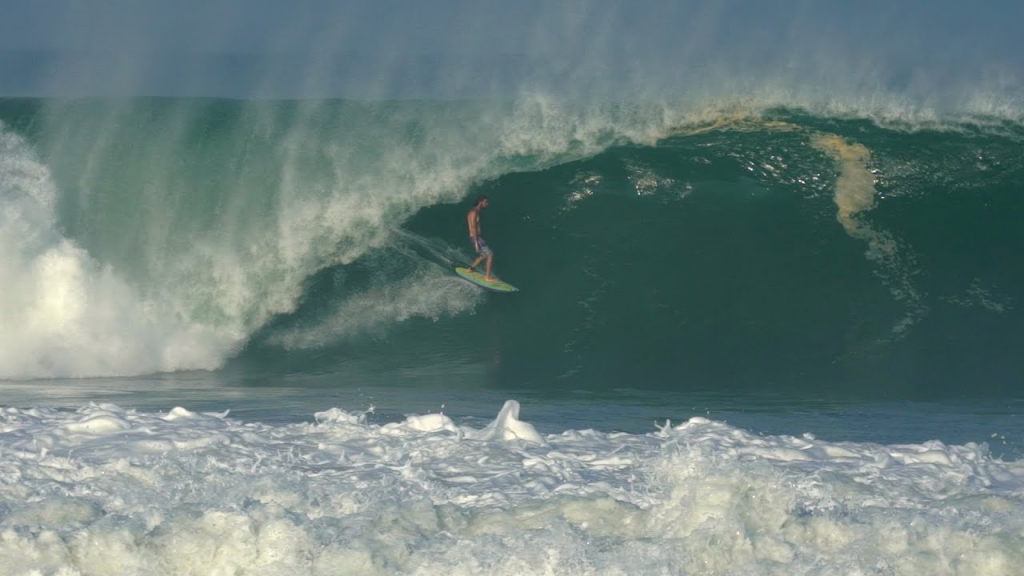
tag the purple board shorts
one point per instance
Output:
(481, 247)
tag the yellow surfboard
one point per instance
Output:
(478, 279)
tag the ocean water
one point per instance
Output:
(753, 337)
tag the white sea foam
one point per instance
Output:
(103, 490)
(62, 313)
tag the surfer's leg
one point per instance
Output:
(485, 252)
(482, 252)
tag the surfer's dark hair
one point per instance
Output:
(480, 199)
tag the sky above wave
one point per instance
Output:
(392, 47)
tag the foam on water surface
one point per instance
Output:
(104, 490)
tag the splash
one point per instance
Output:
(64, 314)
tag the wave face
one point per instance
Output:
(789, 252)
(656, 245)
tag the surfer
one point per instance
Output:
(478, 240)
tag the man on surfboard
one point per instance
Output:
(478, 240)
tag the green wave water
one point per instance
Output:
(833, 258)
(656, 247)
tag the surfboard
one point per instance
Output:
(478, 279)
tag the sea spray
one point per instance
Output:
(63, 313)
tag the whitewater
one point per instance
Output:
(104, 490)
